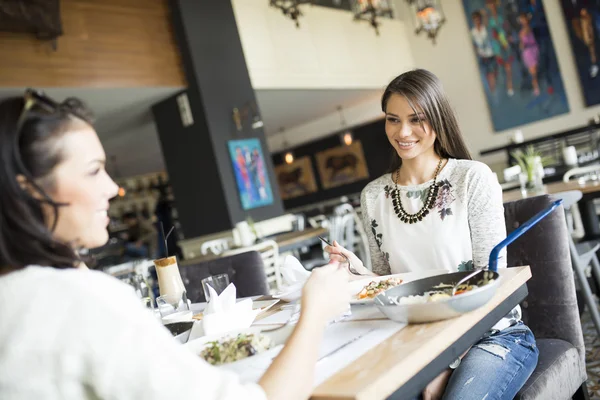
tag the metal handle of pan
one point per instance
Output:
(493, 262)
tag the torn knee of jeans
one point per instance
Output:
(493, 348)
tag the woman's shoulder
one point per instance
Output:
(61, 284)
(471, 169)
(376, 187)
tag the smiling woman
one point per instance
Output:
(52, 168)
(439, 209)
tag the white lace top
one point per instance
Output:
(467, 221)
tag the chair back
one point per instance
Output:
(269, 252)
(246, 271)
(592, 171)
(550, 309)
(574, 223)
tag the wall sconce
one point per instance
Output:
(370, 10)
(121, 192)
(428, 16)
(290, 8)
(248, 110)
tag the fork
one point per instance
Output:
(350, 267)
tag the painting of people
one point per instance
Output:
(583, 23)
(517, 61)
(250, 173)
(296, 179)
(342, 165)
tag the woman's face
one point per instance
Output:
(81, 181)
(409, 137)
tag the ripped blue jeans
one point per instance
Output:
(496, 367)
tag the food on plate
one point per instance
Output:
(375, 287)
(229, 350)
(440, 292)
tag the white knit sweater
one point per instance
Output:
(72, 334)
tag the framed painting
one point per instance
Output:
(296, 179)
(250, 172)
(517, 61)
(342, 165)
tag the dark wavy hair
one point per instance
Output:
(423, 91)
(30, 150)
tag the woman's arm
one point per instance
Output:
(379, 265)
(324, 297)
(128, 355)
(486, 214)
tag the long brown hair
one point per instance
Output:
(29, 147)
(423, 91)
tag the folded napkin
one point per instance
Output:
(293, 272)
(223, 314)
(294, 277)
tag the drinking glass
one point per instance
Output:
(168, 305)
(217, 282)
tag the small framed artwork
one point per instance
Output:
(296, 179)
(342, 165)
(250, 172)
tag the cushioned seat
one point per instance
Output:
(551, 309)
(549, 380)
(245, 270)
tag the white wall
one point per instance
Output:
(453, 60)
(329, 50)
(359, 114)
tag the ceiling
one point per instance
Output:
(290, 108)
(126, 129)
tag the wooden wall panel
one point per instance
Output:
(106, 43)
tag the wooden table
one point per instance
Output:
(404, 364)
(590, 187)
(587, 208)
(294, 240)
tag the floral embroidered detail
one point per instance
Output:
(379, 239)
(466, 266)
(388, 191)
(444, 199)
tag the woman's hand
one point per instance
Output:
(335, 254)
(325, 294)
(435, 389)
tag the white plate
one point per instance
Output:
(358, 285)
(279, 337)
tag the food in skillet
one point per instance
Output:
(375, 287)
(441, 292)
(234, 349)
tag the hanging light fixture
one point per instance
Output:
(288, 156)
(346, 137)
(290, 8)
(428, 17)
(371, 10)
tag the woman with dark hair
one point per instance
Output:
(439, 209)
(71, 333)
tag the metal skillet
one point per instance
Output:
(388, 302)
